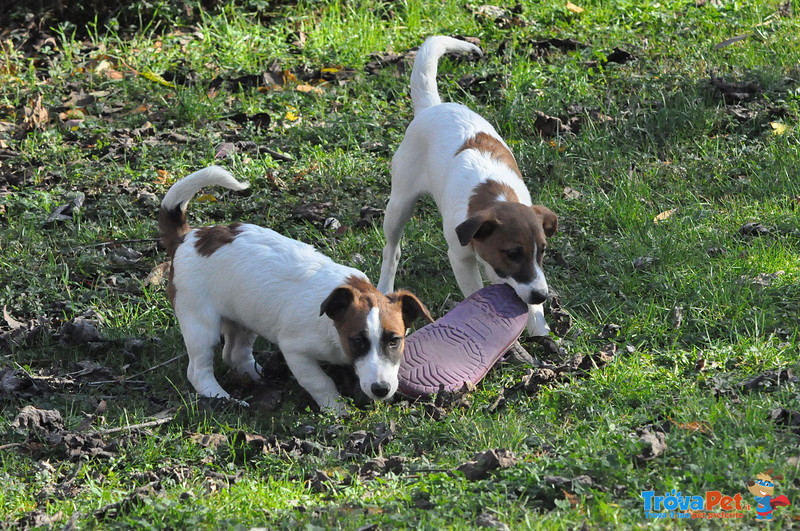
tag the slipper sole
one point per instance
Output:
(464, 344)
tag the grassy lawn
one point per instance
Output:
(669, 152)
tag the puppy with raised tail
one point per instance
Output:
(241, 281)
(455, 155)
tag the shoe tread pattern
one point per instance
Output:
(464, 344)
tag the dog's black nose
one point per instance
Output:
(380, 389)
(538, 297)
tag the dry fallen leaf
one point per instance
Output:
(664, 215)
(224, 150)
(696, 426)
(206, 198)
(573, 500)
(309, 88)
(36, 115)
(291, 113)
(575, 9)
(728, 42)
(778, 128)
(162, 177)
(289, 77)
(10, 321)
(158, 275)
(113, 74)
(102, 66)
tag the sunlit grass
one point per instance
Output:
(655, 137)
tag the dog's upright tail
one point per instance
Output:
(172, 226)
(424, 93)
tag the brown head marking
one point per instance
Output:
(371, 329)
(350, 306)
(511, 238)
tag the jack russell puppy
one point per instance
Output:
(455, 155)
(241, 281)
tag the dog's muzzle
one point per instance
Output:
(538, 297)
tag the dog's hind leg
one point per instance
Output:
(398, 211)
(201, 336)
(238, 350)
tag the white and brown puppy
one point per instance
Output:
(455, 155)
(242, 280)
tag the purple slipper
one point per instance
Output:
(464, 344)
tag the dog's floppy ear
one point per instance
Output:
(549, 219)
(477, 227)
(411, 307)
(337, 302)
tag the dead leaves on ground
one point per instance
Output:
(80, 331)
(735, 92)
(34, 117)
(46, 436)
(653, 444)
(483, 463)
(746, 104)
(276, 78)
(575, 118)
(80, 112)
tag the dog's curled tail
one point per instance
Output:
(424, 93)
(172, 226)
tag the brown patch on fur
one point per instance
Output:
(492, 147)
(210, 239)
(486, 194)
(172, 228)
(172, 291)
(549, 219)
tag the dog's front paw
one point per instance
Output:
(537, 326)
(336, 407)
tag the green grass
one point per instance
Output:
(672, 142)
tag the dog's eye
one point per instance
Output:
(393, 342)
(515, 255)
(359, 343)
